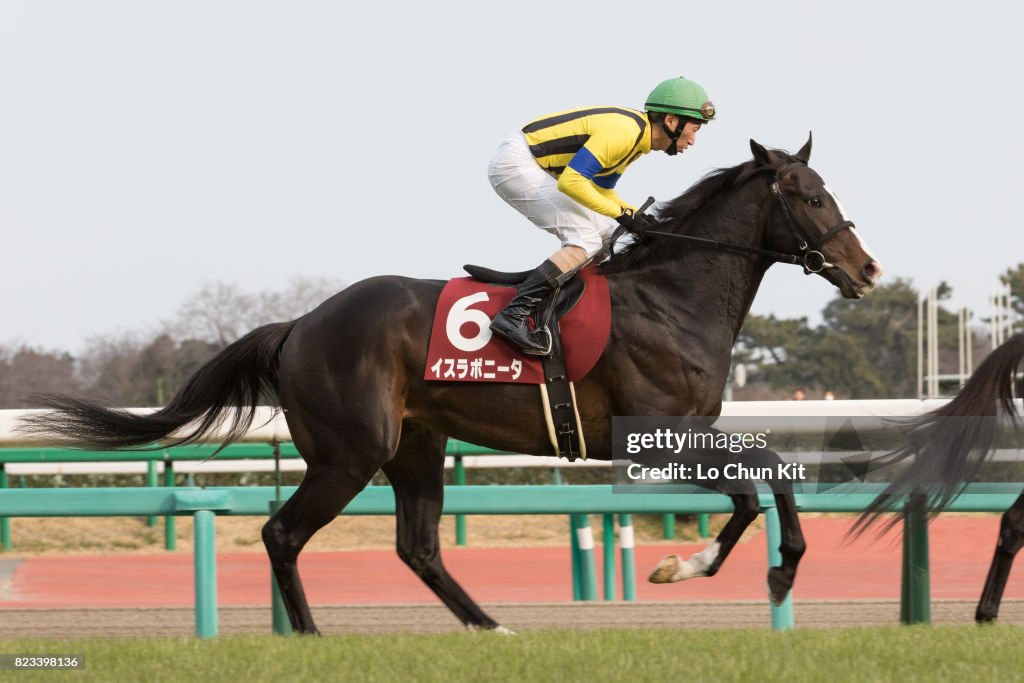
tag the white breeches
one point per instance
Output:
(518, 179)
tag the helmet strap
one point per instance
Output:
(673, 135)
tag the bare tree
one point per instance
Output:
(301, 296)
(221, 313)
(25, 371)
(145, 369)
(217, 312)
(108, 368)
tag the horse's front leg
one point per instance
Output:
(745, 509)
(791, 544)
(745, 505)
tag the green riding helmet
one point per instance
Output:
(682, 97)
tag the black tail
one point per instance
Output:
(952, 443)
(233, 380)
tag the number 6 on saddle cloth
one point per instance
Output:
(462, 348)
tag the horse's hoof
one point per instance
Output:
(673, 568)
(985, 616)
(669, 570)
(778, 586)
(500, 630)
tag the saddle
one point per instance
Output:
(566, 297)
(557, 393)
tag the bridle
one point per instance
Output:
(809, 245)
(809, 256)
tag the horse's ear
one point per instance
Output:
(761, 155)
(804, 154)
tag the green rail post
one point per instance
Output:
(556, 476)
(5, 522)
(574, 551)
(279, 615)
(628, 560)
(915, 601)
(703, 526)
(206, 574)
(904, 577)
(151, 480)
(277, 469)
(151, 470)
(608, 546)
(782, 614)
(588, 571)
(668, 526)
(170, 521)
(460, 520)
(281, 624)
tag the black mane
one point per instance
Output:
(678, 214)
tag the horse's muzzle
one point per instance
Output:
(872, 272)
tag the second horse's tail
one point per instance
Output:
(949, 445)
(228, 387)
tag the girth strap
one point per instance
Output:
(559, 400)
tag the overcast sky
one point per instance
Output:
(147, 147)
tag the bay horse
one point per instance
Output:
(349, 375)
(949, 447)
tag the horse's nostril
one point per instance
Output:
(872, 270)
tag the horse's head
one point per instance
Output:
(807, 219)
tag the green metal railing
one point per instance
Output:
(578, 501)
(168, 456)
(241, 451)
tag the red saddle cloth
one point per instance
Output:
(462, 348)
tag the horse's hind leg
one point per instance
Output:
(417, 476)
(1011, 539)
(321, 496)
(339, 467)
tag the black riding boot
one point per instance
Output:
(510, 323)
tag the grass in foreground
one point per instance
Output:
(902, 654)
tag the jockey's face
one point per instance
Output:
(689, 136)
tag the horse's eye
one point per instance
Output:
(815, 202)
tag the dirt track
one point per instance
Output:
(83, 623)
(841, 585)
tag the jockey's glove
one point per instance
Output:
(636, 223)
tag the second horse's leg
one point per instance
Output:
(1011, 538)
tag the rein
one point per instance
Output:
(777, 256)
(810, 256)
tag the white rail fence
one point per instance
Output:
(270, 427)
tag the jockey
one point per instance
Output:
(560, 172)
